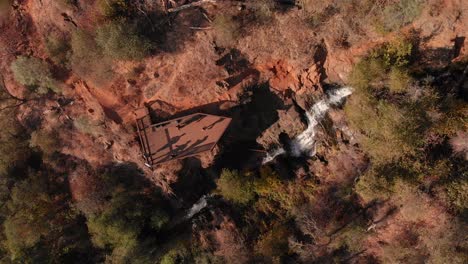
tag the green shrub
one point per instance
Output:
(354, 236)
(115, 8)
(396, 53)
(454, 117)
(58, 49)
(121, 40)
(83, 43)
(280, 196)
(177, 255)
(457, 194)
(366, 71)
(38, 223)
(129, 207)
(30, 220)
(388, 129)
(394, 57)
(88, 60)
(34, 73)
(398, 80)
(262, 11)
(110, 228)
(372, 185)
(380, 124)
(227, 30)
(415, 125)
(236, 187)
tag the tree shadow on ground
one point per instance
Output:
(194, 178)
(170, 31)
(257, 112)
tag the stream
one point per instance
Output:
(304, 143)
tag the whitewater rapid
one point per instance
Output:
(271, 155)
(197, 207)
(304, 143)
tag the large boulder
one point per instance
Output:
(289, 122)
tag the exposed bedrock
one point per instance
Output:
(289, 122)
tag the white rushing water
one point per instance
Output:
(197, 207)
(271, 155)
(304, 143)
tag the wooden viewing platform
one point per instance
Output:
(178, 138)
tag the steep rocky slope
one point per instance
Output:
(269, 75)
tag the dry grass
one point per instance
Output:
(227, 30)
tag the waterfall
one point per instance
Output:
(271, 155)
(197, 207)
(304, 143)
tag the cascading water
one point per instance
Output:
(304, 143)
(197, 207)
(273, 154)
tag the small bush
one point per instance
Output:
(87, 126)
(58, 49)
(372, 185)
(398, 80)
(47, 141)
(129, 208)
(398, 52)
(36, 220)
(388, 130)
(109, 231)
(115, 8)
(392, 179)
(227, 30)
(35, 73)
(367, 71)
(263, 11)
(177, 255)
(280, 196)
(88, 60)
(454, 117)
(236, 187)
(121, 40)
(397, 15)
(380, 123)
(457, 194)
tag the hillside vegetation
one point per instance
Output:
(387, 181)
